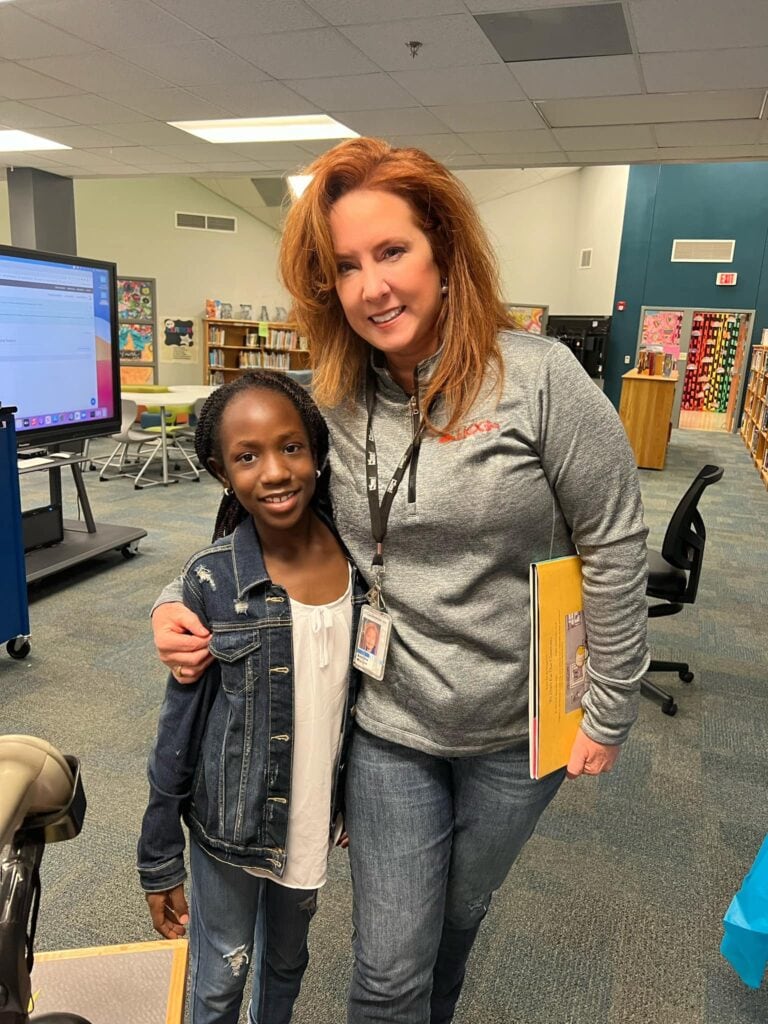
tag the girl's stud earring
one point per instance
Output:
(443, 285)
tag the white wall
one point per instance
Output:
(539, 232)
(533, 231)
(599, 222)
(132, 222)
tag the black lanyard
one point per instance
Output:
(380, 512)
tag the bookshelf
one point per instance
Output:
(234, 346)
(754, 421)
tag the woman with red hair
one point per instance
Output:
(461, 452)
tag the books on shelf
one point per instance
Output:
(558, 677)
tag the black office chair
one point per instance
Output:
(673, 575)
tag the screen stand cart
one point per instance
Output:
(81, 539)
(14, 613)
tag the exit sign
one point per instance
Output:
(727, 278)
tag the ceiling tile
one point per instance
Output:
(79, 136)
(200, 151)
(20, 83)
(110, 24)
(142, 133)
(463, 161)
(488, 117)
(86, 109)
(389, 122)
(353, 92)
(563, 79)
(308, 54)
(698, 154)
(360, 12)
(21, 115)
(174, 105)
(94, 71)
(264, 151)
(438, 146)
(633, 136)
(195, 63)
(487, 6)
(259, 99)
(536, 141)
(745, 68)
(708, 133)
(663, 26)
(23, 37)
(525, 160)
(478, 84)
(709, 106)
(449, 41)
(243, 17)
(616, 156)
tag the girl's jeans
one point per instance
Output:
(237, 920)
(431, 838)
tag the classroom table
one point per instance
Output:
(179, 397)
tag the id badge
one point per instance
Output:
(372, 642)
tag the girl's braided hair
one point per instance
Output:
(208, 443)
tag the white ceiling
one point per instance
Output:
(103, 76)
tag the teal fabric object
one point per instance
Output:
(745, 943)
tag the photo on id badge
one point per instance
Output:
(372, 642)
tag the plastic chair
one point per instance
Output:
(129, 435)
(673, 576)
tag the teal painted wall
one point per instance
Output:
(664, 202)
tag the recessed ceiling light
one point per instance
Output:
(267, 129)
(14, 142)
(297, 183)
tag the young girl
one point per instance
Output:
(251, 759)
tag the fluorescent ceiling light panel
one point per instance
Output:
(297, 183)
(16, 142)
(267, 129)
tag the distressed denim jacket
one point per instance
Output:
(223, 753)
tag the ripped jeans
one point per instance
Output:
(238, 921)
(430, 839)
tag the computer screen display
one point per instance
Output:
(59, 354)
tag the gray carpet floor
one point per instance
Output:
(612, 914)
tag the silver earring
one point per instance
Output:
(227, 492)
(443, 285)
(318, 473)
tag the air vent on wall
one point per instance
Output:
(703, 250)
(206, 222)
(585, 259)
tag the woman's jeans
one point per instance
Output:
(235, 920)
(431, 838)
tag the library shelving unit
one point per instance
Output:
(754, 423)
(233, 346)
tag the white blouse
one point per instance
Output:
(321, 659)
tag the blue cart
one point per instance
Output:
(14, 611)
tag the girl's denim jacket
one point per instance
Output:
(223, 753)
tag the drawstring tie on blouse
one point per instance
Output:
(321, 623)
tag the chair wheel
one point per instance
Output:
(669, 708)
(687, 677)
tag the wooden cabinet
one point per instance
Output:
(754, 421)
(233, 346)
(646, 412)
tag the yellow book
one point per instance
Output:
(558, 665)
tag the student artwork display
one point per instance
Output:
(661, 327)
(179, 344)
(532, 319)
(137, 330)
